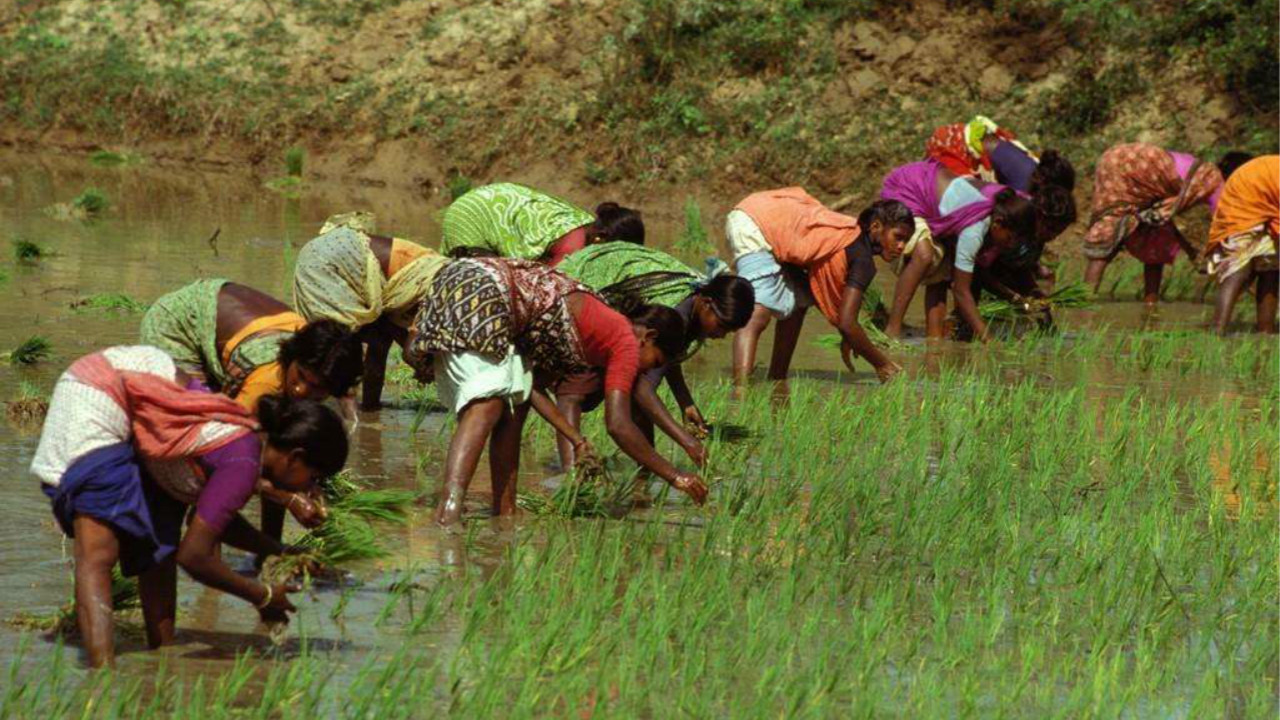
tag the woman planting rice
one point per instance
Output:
(248, 345)
(128, 445)
(514, 221)
(957, 220)
(1138, 190)
(367, 283)
(1242, 241)
(778, 236)
(982, 148)
(489, 326)
(628, 276)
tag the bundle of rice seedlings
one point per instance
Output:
(1074, 295)
(29, 407)
(125, 601)
(112, 302)
(347, 534)
(871, 318)
(589, 492)
(27, 252)
(31, 351)
(90, 201)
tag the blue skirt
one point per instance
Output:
(109, 485)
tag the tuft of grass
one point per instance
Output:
(32, 350)
(29, 407)
(293, 160)
(694, 240)
(108, 158)
(29, 253)
(110, 302)
(458, 185)
(91, 201)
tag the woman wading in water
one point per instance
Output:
(493, 332)
(248, 345)
(130, 443)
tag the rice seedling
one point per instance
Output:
(589, 491)
(125, 603)
(694, 241)
(109, 158)
(29, 253)
(29, 407)
(91, 201)
(1073, 295)
(458, 185)
(293, 160)
(32, 350)
(110, 302)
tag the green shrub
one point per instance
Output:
(1089, 98)
(91, 201)
(293, 159)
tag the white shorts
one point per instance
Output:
(462, 378)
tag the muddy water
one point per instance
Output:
(156, 237)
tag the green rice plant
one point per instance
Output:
(125, 602)
(107, 158)
(29, 407)
(31, 351)
(458, 185)
(1073, 295)
(293, 160)
(110, 302)
(91, 201)
(694, 240)
(27, 252)
(589, 491)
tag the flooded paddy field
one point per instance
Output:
(1074, 525)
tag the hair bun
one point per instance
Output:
(607, 211)
(270, 409)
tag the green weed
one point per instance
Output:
(27, 252)
(32, 350)
(293, 159)
(458, 185)
(91, 201)
(111, 302)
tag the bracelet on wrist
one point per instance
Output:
(268, 598)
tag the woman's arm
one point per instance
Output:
(617, 410)
(197, 554)
(684, 397)
(646, 396)
(549, 412)
(962, 288)
(855, 336)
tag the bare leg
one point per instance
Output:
(1268, 289)
(1228, 293)
(784, 344)
(745, 342)
(912, 275)
(1093, 273)
(571, 407)
(475, 425)
(1152, 274)
(158, 590)
(504, 458)
(96, 552)
(375, 370)
(935, 310)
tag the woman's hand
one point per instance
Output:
(308, 510)
(696, 423)
(887, 371)
(585, 458)
(691, 485)
(279, 607)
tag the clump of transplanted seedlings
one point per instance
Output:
(26, 252)
(125, 603)
(31, 351)
(110, 302)
(28, 409)
(290, 185)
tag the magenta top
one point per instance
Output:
(231, 474)
(1183, 162)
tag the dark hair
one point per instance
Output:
(615, 223)
(667, 326)
(732, 299)
(1232, 161)
(329, 350)
(890, 213)
(1053, 169)
(305, 425)
(1016, 213)
(1055, 211)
